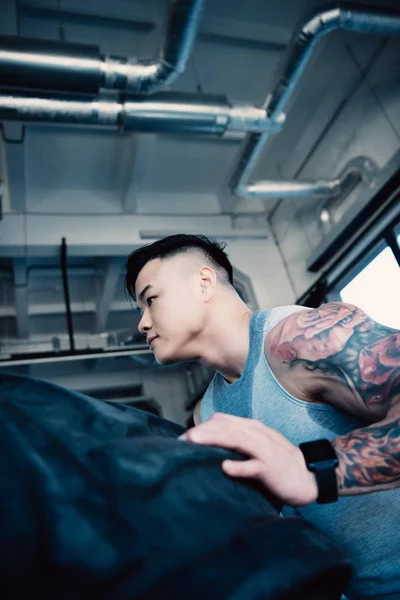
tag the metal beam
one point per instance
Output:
(106, 296)
(102, 235)
(52, 357)
(45, 310)
(14, 156)
(21, 297)
(64, 272)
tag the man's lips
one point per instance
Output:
(151, 340)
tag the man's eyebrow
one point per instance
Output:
(143, 292)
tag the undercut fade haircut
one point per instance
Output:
(213, 252)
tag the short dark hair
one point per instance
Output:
(172, 246)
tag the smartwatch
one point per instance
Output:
(322, 460)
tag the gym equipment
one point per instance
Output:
(100, 500)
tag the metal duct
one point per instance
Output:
(362, 21)
(191, 113)
(44, 65)
(182, 114)
(166, 112)
(142, 77)
(20, 107)
(36, 64)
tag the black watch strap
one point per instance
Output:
(327, 484)
(321, 459)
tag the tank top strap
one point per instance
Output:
(258, 325)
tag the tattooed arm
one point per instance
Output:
(338, 355)
(369, 458)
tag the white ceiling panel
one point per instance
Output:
(74, 171)
(185, 174)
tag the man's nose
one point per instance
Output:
(144, 323)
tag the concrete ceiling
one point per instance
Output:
(78, 172)
(239, 48)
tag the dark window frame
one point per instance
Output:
(322, 291)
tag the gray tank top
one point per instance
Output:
(367, 527)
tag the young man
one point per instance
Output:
(287, 377)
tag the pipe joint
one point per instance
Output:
(250, 118)
(323, 23)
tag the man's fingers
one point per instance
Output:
(214, 436)
(242, 437)
(249, 468)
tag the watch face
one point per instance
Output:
(318, 451)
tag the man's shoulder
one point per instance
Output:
(279, 313)
(279, 321)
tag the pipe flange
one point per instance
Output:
(364, 167)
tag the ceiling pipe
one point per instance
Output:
(166, 112)
(169, 114)
(53, 66)
(303, 45)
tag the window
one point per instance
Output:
(376, 288)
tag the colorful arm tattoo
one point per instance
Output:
(369, 458)
(343, 344)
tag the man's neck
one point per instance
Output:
(226, 343)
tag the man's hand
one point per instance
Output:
(274, 461)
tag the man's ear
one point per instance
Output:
(208, 282)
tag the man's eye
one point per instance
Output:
(149, 301)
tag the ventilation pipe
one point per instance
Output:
(89, 73)
(303, 45)
(52, 66)
(166, 112)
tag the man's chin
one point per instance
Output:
(169, 360)
(165, 360)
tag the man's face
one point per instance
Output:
(169, 295)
